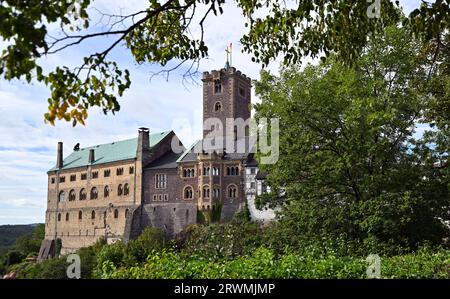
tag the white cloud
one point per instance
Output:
(28, 146)
(21, 202)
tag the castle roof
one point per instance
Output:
(167, 161)
(242, 148)
(109, 152)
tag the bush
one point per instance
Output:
(135, 252)
(217, 241)
(264, 263)
(48, 269)
(88, 257)
(150, 239)
(14, 257)
(113, 253)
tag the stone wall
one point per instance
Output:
(171, 217)
(73, 221)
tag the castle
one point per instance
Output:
(116, 190)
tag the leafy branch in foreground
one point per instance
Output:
(163, 33)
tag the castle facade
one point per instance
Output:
(116, 190)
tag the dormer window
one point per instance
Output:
(217, 86)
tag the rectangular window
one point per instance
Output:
(73, 177)
(252, 170)
(217, 86)
(83, 176)
(53, 180)
(95, 175)
(166, 197)
(241, 92)
(161, 181)
(252, 185)
(62, 179)
(155, 197)
(107, 173)
(131, 171)
(119, 171)
(159, 197)
(264, 188)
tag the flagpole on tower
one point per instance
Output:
(231, 54)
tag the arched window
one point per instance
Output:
(206, 171)
(61, 196)
(216, 171)
(72, 195)
(116, 213)
(188, 193)
(93, 215)
(67, 216)
(218, 107)
(59, 216)
(126, 189)
(234, 170)
(126, 213)
(80, 215)
(232, 191)
(94, 193)
(206, 191)
(82, 194)
(216, 193)
(120, 190)
(106, 192)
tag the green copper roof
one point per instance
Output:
(109, 152)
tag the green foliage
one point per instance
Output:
(353, 128)
(150, 239)
(161, 34)
(134, 252)
(201, 217)
(14, 257)
(263, 264)
(48, 269)
(218, 241)
(243, 216)
(25, 245)
(10, 233)
(30, 244)
(88, 258)
(58, 246)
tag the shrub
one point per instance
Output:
(217, 241)
(264, 263)
(48, 269)
(150, 239)
(113, 253)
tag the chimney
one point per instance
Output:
(91, 156)
(59, 158)
(143, 146)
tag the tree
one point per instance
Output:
(349, 159)
(162, 33)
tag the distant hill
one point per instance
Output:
(10, 233)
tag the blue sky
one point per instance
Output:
(28, 146)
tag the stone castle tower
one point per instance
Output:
(226, 94)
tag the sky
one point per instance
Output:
(28, 145)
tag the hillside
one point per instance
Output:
(10, 233)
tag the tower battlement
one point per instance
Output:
(216, 74)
